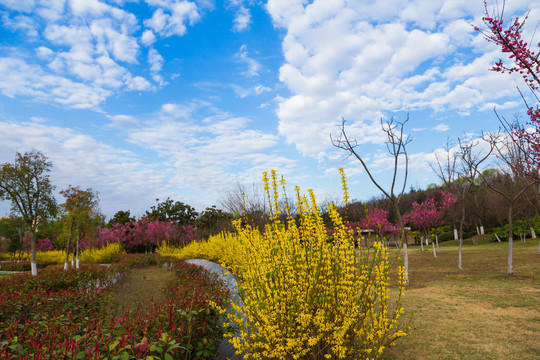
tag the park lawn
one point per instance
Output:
(478, 313)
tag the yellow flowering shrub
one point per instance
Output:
(102, 255)
(305, 293)
(50, 256)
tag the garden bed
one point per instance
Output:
(57, 315)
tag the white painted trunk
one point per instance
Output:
(437, 242)
(533, 233)
(510, 253)
(33, 267)
(456, 235)
(77, 262)
(66, 265)
(459, 254)
(482, 232)
(427, 241)
(434, 252)
(422, 243)
(406, 262)
(477, 230)
(497, 237)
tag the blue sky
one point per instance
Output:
(172, 98)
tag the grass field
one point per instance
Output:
(478, 313)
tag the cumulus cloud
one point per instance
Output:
(88, 49)
(170, 17)
(363, 60)
(19, 5)
(148, 37)
(242, 15)
(21, 23)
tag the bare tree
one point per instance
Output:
(512, 181)
(446, 170)
(470, 163)
(248, 201)
(396, 142)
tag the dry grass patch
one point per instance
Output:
(139, 286)
(479, 313)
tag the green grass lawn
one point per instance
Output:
(477, 313)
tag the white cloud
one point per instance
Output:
(86, 48)
(242, 19)
(171, 17)
(441, 127)
(79, 159)
(21, 23)
(203, 144)
(123, 121)
(148, 38)
(365, 59)
(242, 15)
(19, 5)
(51, 10)
(88, 7)
(20, 78)
(44, 53)
(120, 44)
(253, 66)
(137, 83)
(155, 60)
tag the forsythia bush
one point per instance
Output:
(306, 294)
(102, 255)
(52, 255)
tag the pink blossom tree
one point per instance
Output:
(429, 214)
(143, 235)
(377, 219)
(525, 60)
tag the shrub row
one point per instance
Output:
(23, 265)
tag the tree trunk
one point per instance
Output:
(403, 241)
(460, 267)
(406, 261)
(77, 249)
(434, 252)
(510, 240)
(66, 263)
(477, 230)
(33, 265)
(497, 237)
(459, 254)
(456, 236)
(422, 243)
(482, 232)
(533, 233)
(437, 242)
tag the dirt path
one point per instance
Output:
(141, 285)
